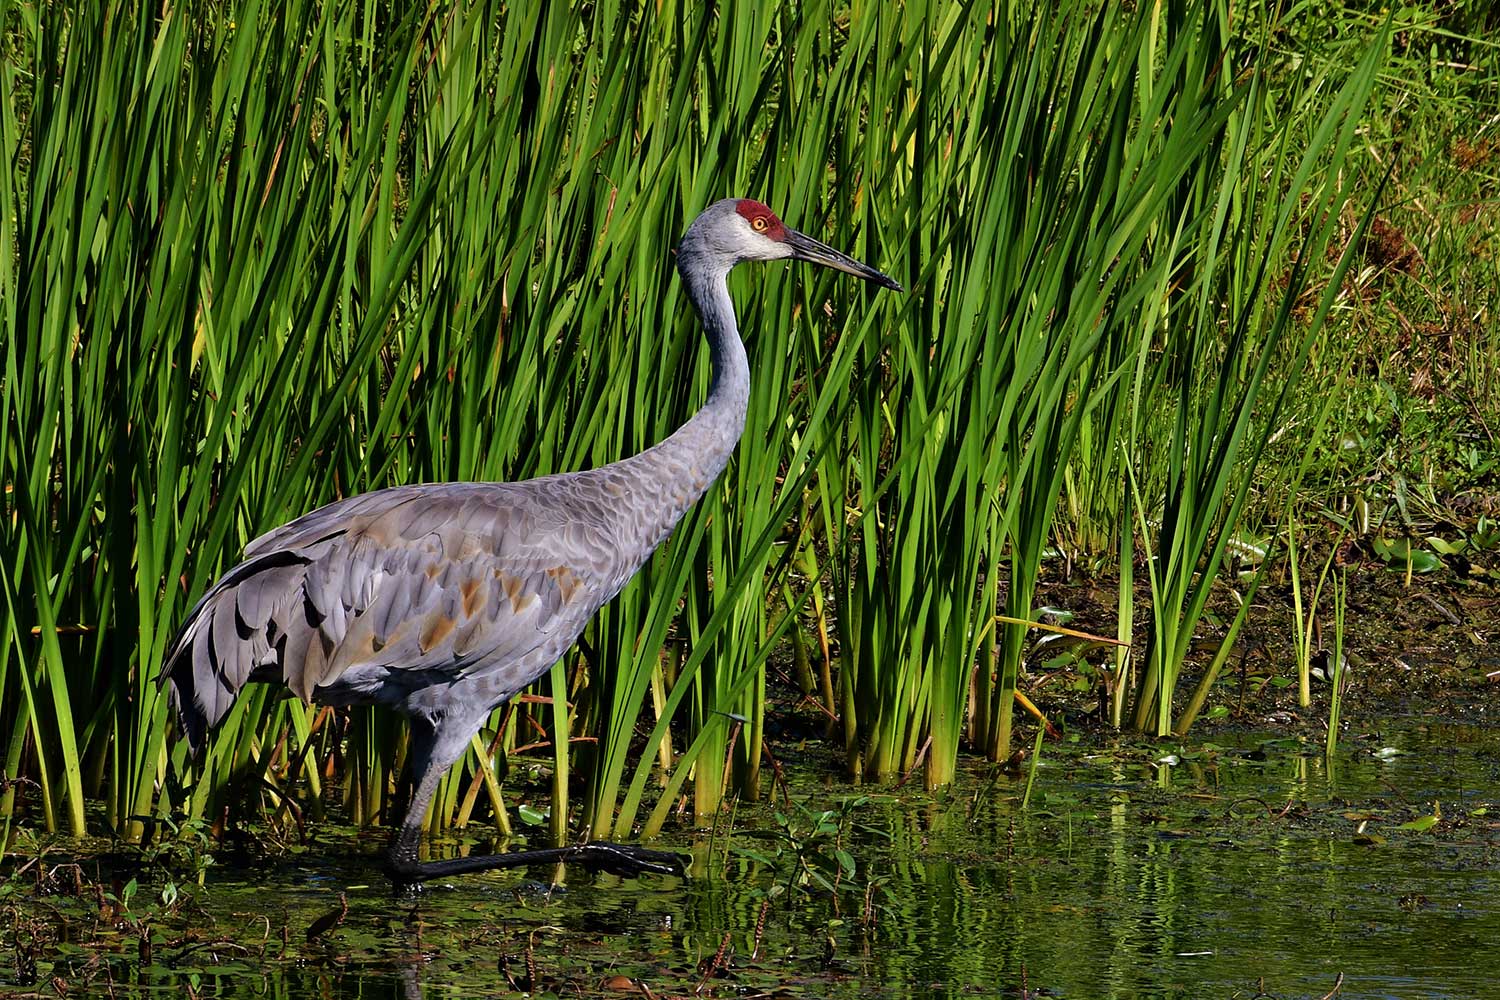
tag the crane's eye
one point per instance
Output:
(759, 223)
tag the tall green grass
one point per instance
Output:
(261, 256)
(1269, 216)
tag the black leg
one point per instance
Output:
(619, 859)
(430, 757)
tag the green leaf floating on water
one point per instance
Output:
(1420, 823)
(1423, 561)
(1399, 554)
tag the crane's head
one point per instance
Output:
(740, 229)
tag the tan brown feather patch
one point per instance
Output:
(434, 630)
(472, 591)
(514, 588)
(567, 581)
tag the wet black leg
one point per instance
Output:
(601, 856)
(428, 762)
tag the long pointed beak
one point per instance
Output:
(806, 248)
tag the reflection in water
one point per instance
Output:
(1130, 877)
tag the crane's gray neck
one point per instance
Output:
(672, 475)
(729, 391)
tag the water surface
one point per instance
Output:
(1246, 866)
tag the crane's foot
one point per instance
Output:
(625, 859)
(618, 859)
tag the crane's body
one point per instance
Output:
(445, 600)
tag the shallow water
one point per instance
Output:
(1241, 867)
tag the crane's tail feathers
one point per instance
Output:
(238, 629)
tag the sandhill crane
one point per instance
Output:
(443, 601)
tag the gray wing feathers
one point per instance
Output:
(229, 635)
(396, 585)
